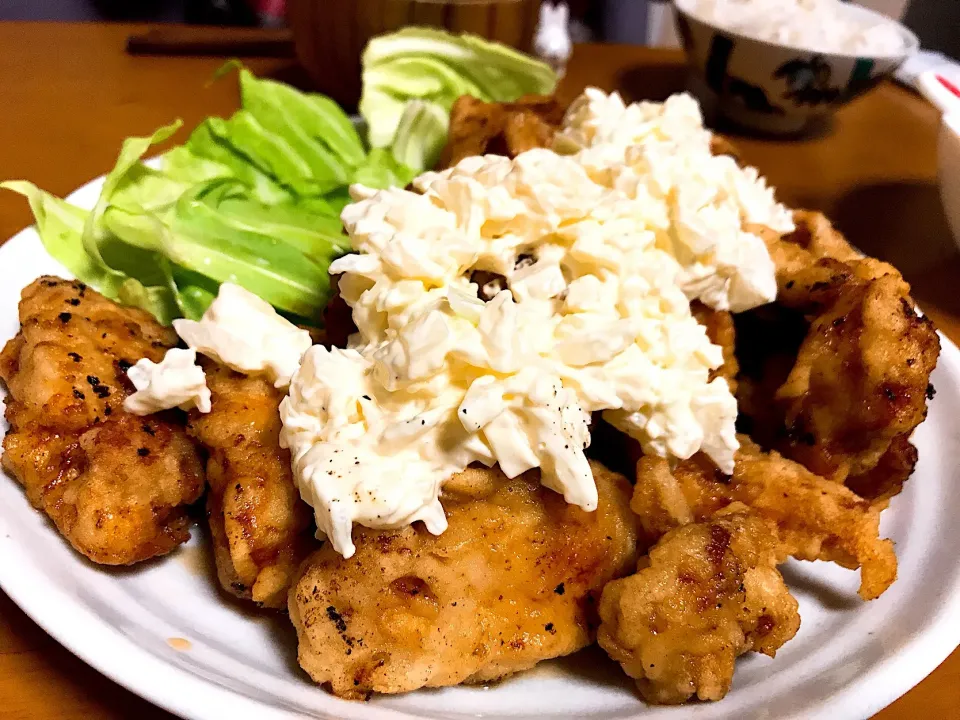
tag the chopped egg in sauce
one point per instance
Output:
(174, 382)
(503, 302)
(238, 330)
(246, 334)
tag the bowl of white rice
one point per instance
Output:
(776, 65)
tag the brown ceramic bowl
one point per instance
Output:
(329, 35)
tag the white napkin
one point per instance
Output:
(926, 61)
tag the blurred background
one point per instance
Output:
(642, 22)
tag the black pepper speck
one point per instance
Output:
(337, 619)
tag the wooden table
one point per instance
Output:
(69, 95)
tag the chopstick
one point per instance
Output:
(949, 85)
(212, 41)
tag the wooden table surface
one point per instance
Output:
(69, 96)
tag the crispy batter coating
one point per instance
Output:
(480, 128)
(860, 378)
(512, 581)
(707, 593)
(815, 234)
(114, 484)
(261, 529)
(813, 239)
(817, 519)
(720, 330)
(885, 480)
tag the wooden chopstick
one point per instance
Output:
(212, 41)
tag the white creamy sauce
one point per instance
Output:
(246, 334)
(175, 382)
(816, 25)
(508, 300)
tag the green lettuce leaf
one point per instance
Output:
(314, 125)
(434, 65)
(381, 170)
(60, 226)
(193, 160)
(132, 150)
(254, 199)
(198, 238)
(387, 109)
(158, 300)
(273, 155)
(220, 207)
(421, 135)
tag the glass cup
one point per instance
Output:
(329, 35)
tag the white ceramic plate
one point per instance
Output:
(849, 659)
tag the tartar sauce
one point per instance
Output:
(246, 334)
(175, 382)
(507, 300)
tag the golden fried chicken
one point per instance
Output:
(817, 519)
(524, 130)
(885, 480)
(816, 234)
(480, 128)
(814, 238)
(707, 593)
(859, 381)
(114, 484)
(261, 529)
(720, 330)
(861, 377)
(512, 581)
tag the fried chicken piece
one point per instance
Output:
(817, 519)
(861, 376)
(860, 379)
(707, 593)
(720, 330)
(479, 128)
(114, 484)
(512, 581)
(813, 238)
(261, 529)
(526, 130)
(815, 234)
(885, 480)
(473, 126)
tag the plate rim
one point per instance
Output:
(145, 674)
